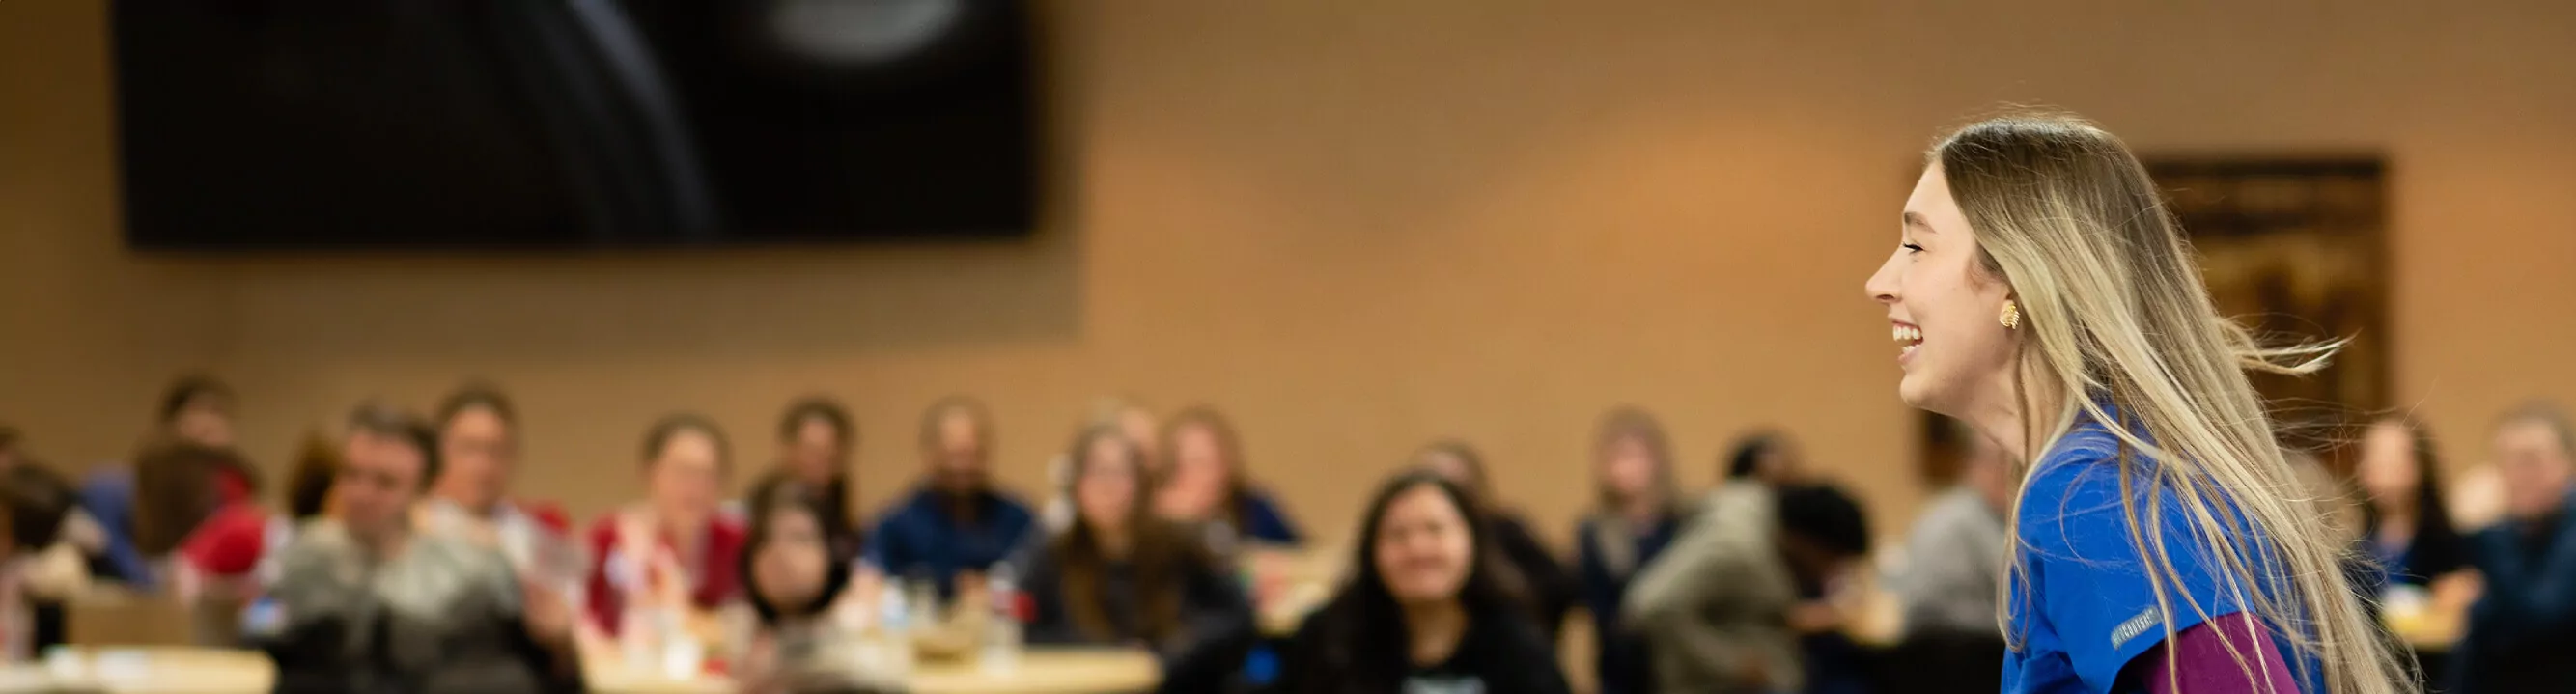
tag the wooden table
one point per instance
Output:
(154, 670)
(1041, 671)
(216, 671)
(1290, 584)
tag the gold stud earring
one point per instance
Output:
(2012, 315)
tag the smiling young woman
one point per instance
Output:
(2042, 294)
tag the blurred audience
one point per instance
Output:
(1952, 575)
(2477, 497)
(1120, 575)
(196, 414)
(1956, 552)
(363, 603)
(224, 553)
(177, 488)
(52, 545)
(1425, 610)
(2523, 627)
(792, 581)
(1552, 588)
(1638, 511)
(1770, 457)
(2405, 521)
(1205, 484)
(1721, 611)
(674, 552)
(956, 523)
(815, 439)
(478, 440)
(1133, 421)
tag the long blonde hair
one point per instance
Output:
(2113, 307)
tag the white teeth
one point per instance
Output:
(1902, 333)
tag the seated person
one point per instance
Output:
(2523, 627)
(2405, 521)
(1552, 586)
(196, 413)
(816, 438)
(1424, 610)
(478, 439)
(364, 603)
(1120, 576)
(1205, 485)
(45, 558)
(674, 551)
(792, 584)
(1637, 512)
(221, 557)
(956, 525)
(1720, 610)
(178, 487)
(1956, 552)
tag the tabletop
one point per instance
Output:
(179, 670)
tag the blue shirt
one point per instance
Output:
(108, 495)
(920, 539)
(2524, 625)
(2082, 607)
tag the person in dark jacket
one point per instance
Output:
(816, 438)
(2406, 528)
(363, 602)
(2523, 627)
(1639, 512)
(1552, 588)
(1426, 610)
(1119, 576)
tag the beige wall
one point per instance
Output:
(1356, 225)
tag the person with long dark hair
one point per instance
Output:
(816, 437)
(2405, 522)
(791, 581)
(220, 557)
(195, 416)
(1119, 575)
(1424, 610)
(1552, 587)
(1638, 511)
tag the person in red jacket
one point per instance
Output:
(224, 551)
(676, 549)
(478, 440)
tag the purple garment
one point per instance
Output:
(2203, 666)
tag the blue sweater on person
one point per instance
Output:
(2522, 630)
(108, 495)
(1264, 521)
(921, 539)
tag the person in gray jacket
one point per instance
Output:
(1720, 610)
(1952, 585)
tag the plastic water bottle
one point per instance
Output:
(638, 627)
(682, 654)
(891, 646)
(1003, 633)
